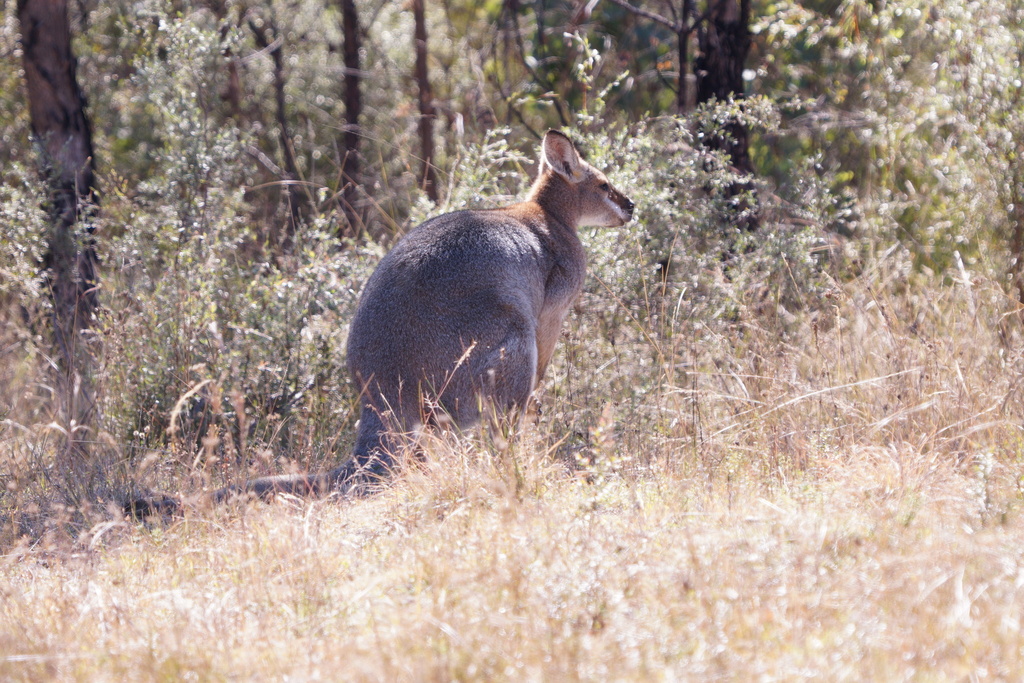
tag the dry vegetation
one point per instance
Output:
(843, 506)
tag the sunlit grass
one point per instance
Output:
(878, 564)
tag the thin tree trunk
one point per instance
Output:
(682, 27)
(724, 39)
(683, 103)
(540, 75)
(232, 92)
(64, 141)
(426, 101)
(353, 111)
(273, 44)
(1016, 219)
(683, 44)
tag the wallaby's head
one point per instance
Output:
(566, 183)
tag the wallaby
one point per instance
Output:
(463, 313)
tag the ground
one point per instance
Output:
(877, 564)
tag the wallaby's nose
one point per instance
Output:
(629, 207)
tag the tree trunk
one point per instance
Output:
(1016, 220)
(426, 101)
(724, 39)
(682, 27)
(684, 102)
(63, 139)
(353, 111)
(232, 91)
(683, 47)
(273, 44)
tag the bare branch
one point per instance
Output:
(653, 16)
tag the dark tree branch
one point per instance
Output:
(682, 26)
(683, 47)
(511, 108)
(232, 92)
(674, 26)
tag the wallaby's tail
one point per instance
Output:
(303, 485)
(156, 505)
(265, 488)
(355, 478)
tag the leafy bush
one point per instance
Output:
(22, 241)
(212, 348)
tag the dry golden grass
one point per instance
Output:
(845, 506)
(874, 566)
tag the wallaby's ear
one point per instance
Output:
(559, 154)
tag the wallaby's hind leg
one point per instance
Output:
(511, 371)
(377, 443)
(508, 378)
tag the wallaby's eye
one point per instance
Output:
(604, 187)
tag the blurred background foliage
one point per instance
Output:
(885, 135)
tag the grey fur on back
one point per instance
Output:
(451, 317)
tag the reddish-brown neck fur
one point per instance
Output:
(556, 197)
